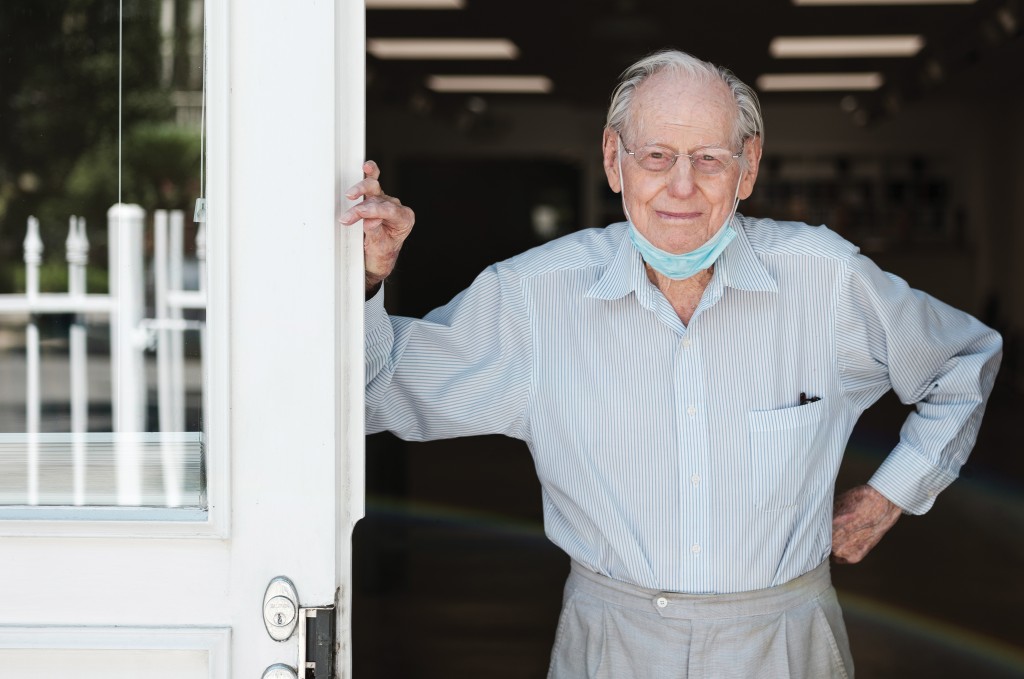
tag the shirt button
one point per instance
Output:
(661, 601)
(695, 479)
(686, 343)
(691, 411)
(695, 549)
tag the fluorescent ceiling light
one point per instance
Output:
(441, 48)
(884, 2)
(536, 84)
(846, 46)
(415, 4)
(795, 82)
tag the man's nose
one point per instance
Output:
(682, 178)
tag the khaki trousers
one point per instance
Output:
(612, 630)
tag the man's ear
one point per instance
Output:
(752, 155)
(610, 149)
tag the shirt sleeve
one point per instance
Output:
(938, 358)
(462, 370)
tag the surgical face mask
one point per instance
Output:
(687, 264)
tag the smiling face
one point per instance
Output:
(678, 210)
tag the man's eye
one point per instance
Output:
(656, 155)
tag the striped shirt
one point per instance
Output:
(679, 457)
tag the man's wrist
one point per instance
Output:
(378, 263)
(372, 283)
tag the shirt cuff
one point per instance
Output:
(373, 311)
(909, 480)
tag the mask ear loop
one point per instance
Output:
(735, 201)
(622, 183)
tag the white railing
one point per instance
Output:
(131, 333)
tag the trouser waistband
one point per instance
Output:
(703, 606)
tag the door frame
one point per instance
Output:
(350, 153)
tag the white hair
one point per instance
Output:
(748, 122)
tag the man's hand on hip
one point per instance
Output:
(860, 517)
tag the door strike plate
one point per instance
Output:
(317, 645)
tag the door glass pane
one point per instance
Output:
(102, 253)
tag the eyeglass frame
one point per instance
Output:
(689, 156)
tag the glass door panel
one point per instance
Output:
(104, 397)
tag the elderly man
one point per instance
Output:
(687, 382)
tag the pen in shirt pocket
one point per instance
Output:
(805, 399)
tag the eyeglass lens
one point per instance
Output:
(708, 161)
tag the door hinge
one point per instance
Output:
(316, 643)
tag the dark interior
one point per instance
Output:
(454, 577)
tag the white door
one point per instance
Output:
(271, 482)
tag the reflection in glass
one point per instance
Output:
(102, 262)
(171, 465)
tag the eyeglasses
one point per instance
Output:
(707, 161)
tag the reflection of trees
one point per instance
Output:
(59, 121)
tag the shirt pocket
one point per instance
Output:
(781, 448)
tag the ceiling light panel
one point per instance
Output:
(846, 46)
(824, 82)
(415, 4)
(528, 84)
(441, 48)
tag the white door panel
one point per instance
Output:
(91, 664)
(96, 581)
(114, 653)
(94, 591)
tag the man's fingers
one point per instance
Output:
(370, 170)
(363, 211)
(845, 560)
(384, 210)
(853, 523)
(854, 548)
(851, 546)
(368, 187)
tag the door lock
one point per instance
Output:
(317, 647)
(280, 671)
(280, 608)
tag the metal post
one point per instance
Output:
(176, 282)
(166, 43)
(77, 247)
(169, 456)
(129, 385)
(33, 246)
(203, 335)
(195, 44)
(161, 315)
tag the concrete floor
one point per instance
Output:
(454, 577)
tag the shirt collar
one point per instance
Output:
(624, 273)
(737, 267)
